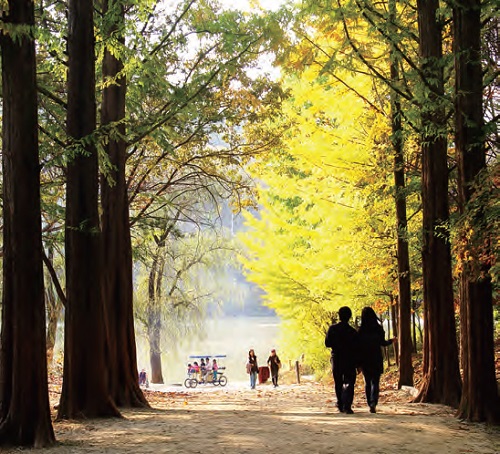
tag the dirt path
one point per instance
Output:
(291, 419)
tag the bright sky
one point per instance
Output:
(248, 5)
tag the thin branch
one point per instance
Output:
(55, 279)
(52, 96)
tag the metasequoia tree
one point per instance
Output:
(24, 404)
(441, 382)
(403, 256)
(85, 392)
(117, 246)
(479, 400)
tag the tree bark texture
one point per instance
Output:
(85, 392)
(24, 401)
(154, 333)
(441, 382)
(480, 400)
(117, 246)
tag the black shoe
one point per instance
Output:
(349, 411)
(341, 408)
(373, 409)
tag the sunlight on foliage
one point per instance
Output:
(324, 235)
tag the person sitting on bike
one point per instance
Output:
(215, 368)
(203, 369)
(208, 369)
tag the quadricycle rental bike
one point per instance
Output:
(206, 369)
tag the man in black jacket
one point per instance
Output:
(342, 339)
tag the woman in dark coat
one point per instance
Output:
(371, 338)
(252, 368)
(274, 364)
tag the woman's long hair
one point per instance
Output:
(369, 319)
(251, 354)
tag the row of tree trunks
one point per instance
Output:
(441, 382)
(480, 401)
(24, 404)
(85, 391)
(118, 288)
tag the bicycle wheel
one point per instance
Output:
(223, 381)
(193, 383)
(187, 383)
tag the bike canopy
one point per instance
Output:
(206, 356)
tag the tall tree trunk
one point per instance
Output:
(480, 400)
(154, 333)
(85, 391)
(154, 316)
(24, 411)
(441, 381)
(403, 256)
(118, 286)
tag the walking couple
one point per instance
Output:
(353, 349)
(273, 363)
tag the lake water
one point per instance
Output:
(231, 336)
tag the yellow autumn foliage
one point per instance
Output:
(307, 247)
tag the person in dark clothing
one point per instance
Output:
(342, 339)
(371, 338)
(274, 364)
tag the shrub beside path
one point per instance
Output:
(287, 420)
